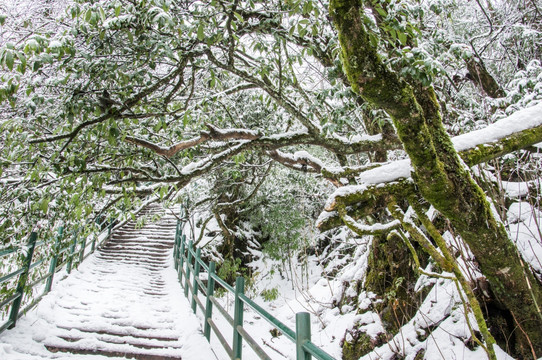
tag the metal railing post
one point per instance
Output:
(93, 245)
(208, 302)
(196, 276)
(303, 334)
(181, 258)
(188, 263)
(22, 280)
(54, 260)
(82, 252)
(238, 318)
(176, 246)
(72, 251)
(109, 228)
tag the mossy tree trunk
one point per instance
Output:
(440, 175)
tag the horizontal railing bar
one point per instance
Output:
(270, 318)
(3, 279)
(223, 311)
(202, 288)
(253, 344)
(191, 268)
(221, 338)
(316, 351)
(63, 250)
(6, 325)
(190, 286)
(203, 265)
(198, 301)
(183, 271)
(60, 266)
(224, 284)
(30, 306)
(193, 251)
(39, 243)
(10, 299)
(87, 255)
(8, 251)
(40, 279)
(37, 263)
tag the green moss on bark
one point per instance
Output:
(391, 276)
(438, 171)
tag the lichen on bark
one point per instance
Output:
(439, 173)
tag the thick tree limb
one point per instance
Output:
(170, 151)
(438, 172)
(521, 129)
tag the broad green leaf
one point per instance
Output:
(9, 60)
(402, 37)
(239, 17)
(44, 205)
(201, 35)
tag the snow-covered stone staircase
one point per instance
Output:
(123, 302)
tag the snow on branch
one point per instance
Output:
(168, 151)
(361, 200)
(213, 134)
(517, 131)
(301, 160)
(362, 229)
(521, 129)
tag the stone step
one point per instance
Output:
(146, 250)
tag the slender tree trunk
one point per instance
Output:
(439, 173)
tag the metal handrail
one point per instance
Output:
(76, 253)
(188, 263)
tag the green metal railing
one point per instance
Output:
(189, 266)
(62, 254)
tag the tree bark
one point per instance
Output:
(480, 76)
(438, 172)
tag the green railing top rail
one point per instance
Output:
(188, 262)
(7, 251)
(64, 252)
(13, 249)
(57, 253)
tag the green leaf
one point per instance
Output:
(239, 17)
(9, 60)
(44, 205)
(381, 11)
(402, 37)
(114, 132)
(102, 14)
(2, 19)
(201, 35)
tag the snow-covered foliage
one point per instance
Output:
(242, 113)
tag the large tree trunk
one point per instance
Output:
(438, 172)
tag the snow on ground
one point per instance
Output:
(525, 226)
(439, 327)
(111, 304)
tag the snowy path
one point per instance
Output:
(124, 301)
